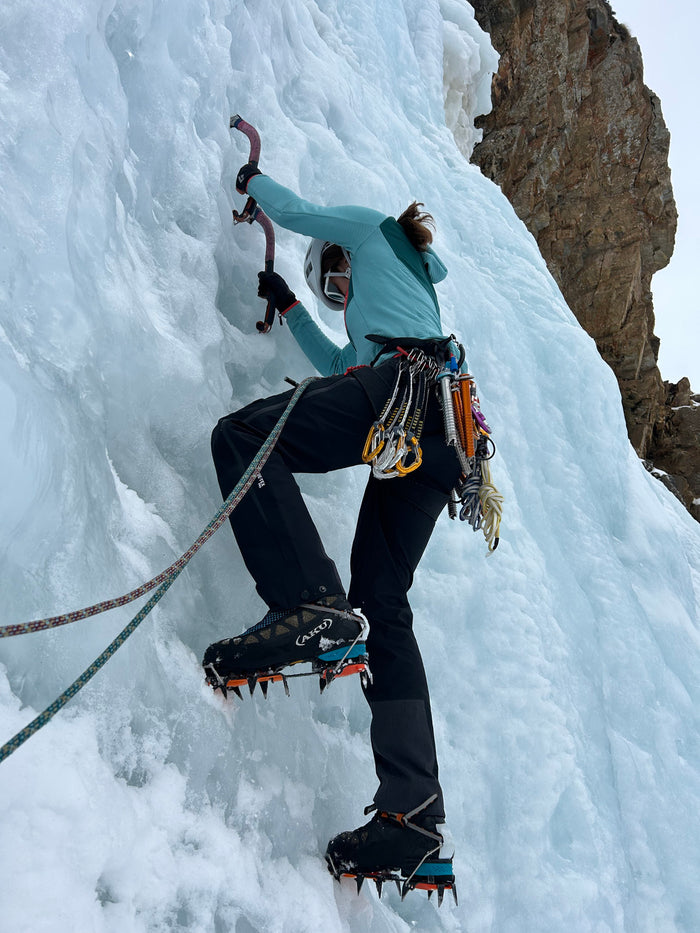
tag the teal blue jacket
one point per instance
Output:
(391, 287)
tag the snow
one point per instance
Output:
(564, 667)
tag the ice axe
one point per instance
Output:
(252, 212)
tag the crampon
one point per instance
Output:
(429, 878)
(327, 669)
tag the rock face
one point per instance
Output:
(676, 449)
(579, 146)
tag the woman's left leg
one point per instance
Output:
(396, 521)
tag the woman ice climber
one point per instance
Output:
(381, 271)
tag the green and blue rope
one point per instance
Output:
(165, 579)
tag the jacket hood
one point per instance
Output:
(435, 266)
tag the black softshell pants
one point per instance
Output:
(282, 549)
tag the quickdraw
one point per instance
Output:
(251, 212)
(393, 446)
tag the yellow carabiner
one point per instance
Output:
(374, 442)
(401, 468)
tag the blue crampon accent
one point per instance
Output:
(434, 868)
(355, 652)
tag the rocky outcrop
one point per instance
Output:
(676, 450)
(579, 146)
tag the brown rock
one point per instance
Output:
(579, 146)
(676, 443)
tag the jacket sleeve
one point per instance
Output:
(328, 358)
(347, 226)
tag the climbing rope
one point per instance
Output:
(482, 504)
(174, 569)
(492, 508)
(165, 579)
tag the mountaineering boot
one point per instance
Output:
(326, 633)
(405, 848)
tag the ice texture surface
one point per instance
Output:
(564, 668)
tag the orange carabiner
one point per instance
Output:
(465, 391)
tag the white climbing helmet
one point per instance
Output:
(320, 282)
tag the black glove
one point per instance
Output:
(273, 287)
(245, 173)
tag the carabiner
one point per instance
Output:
(374, 443)
(385, 463)
(413, 448)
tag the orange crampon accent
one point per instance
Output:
(326, 673)
(403, 886)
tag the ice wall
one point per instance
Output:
(563, 668)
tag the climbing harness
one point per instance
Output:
(251, 212)
(392, 448)
(166, 579)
